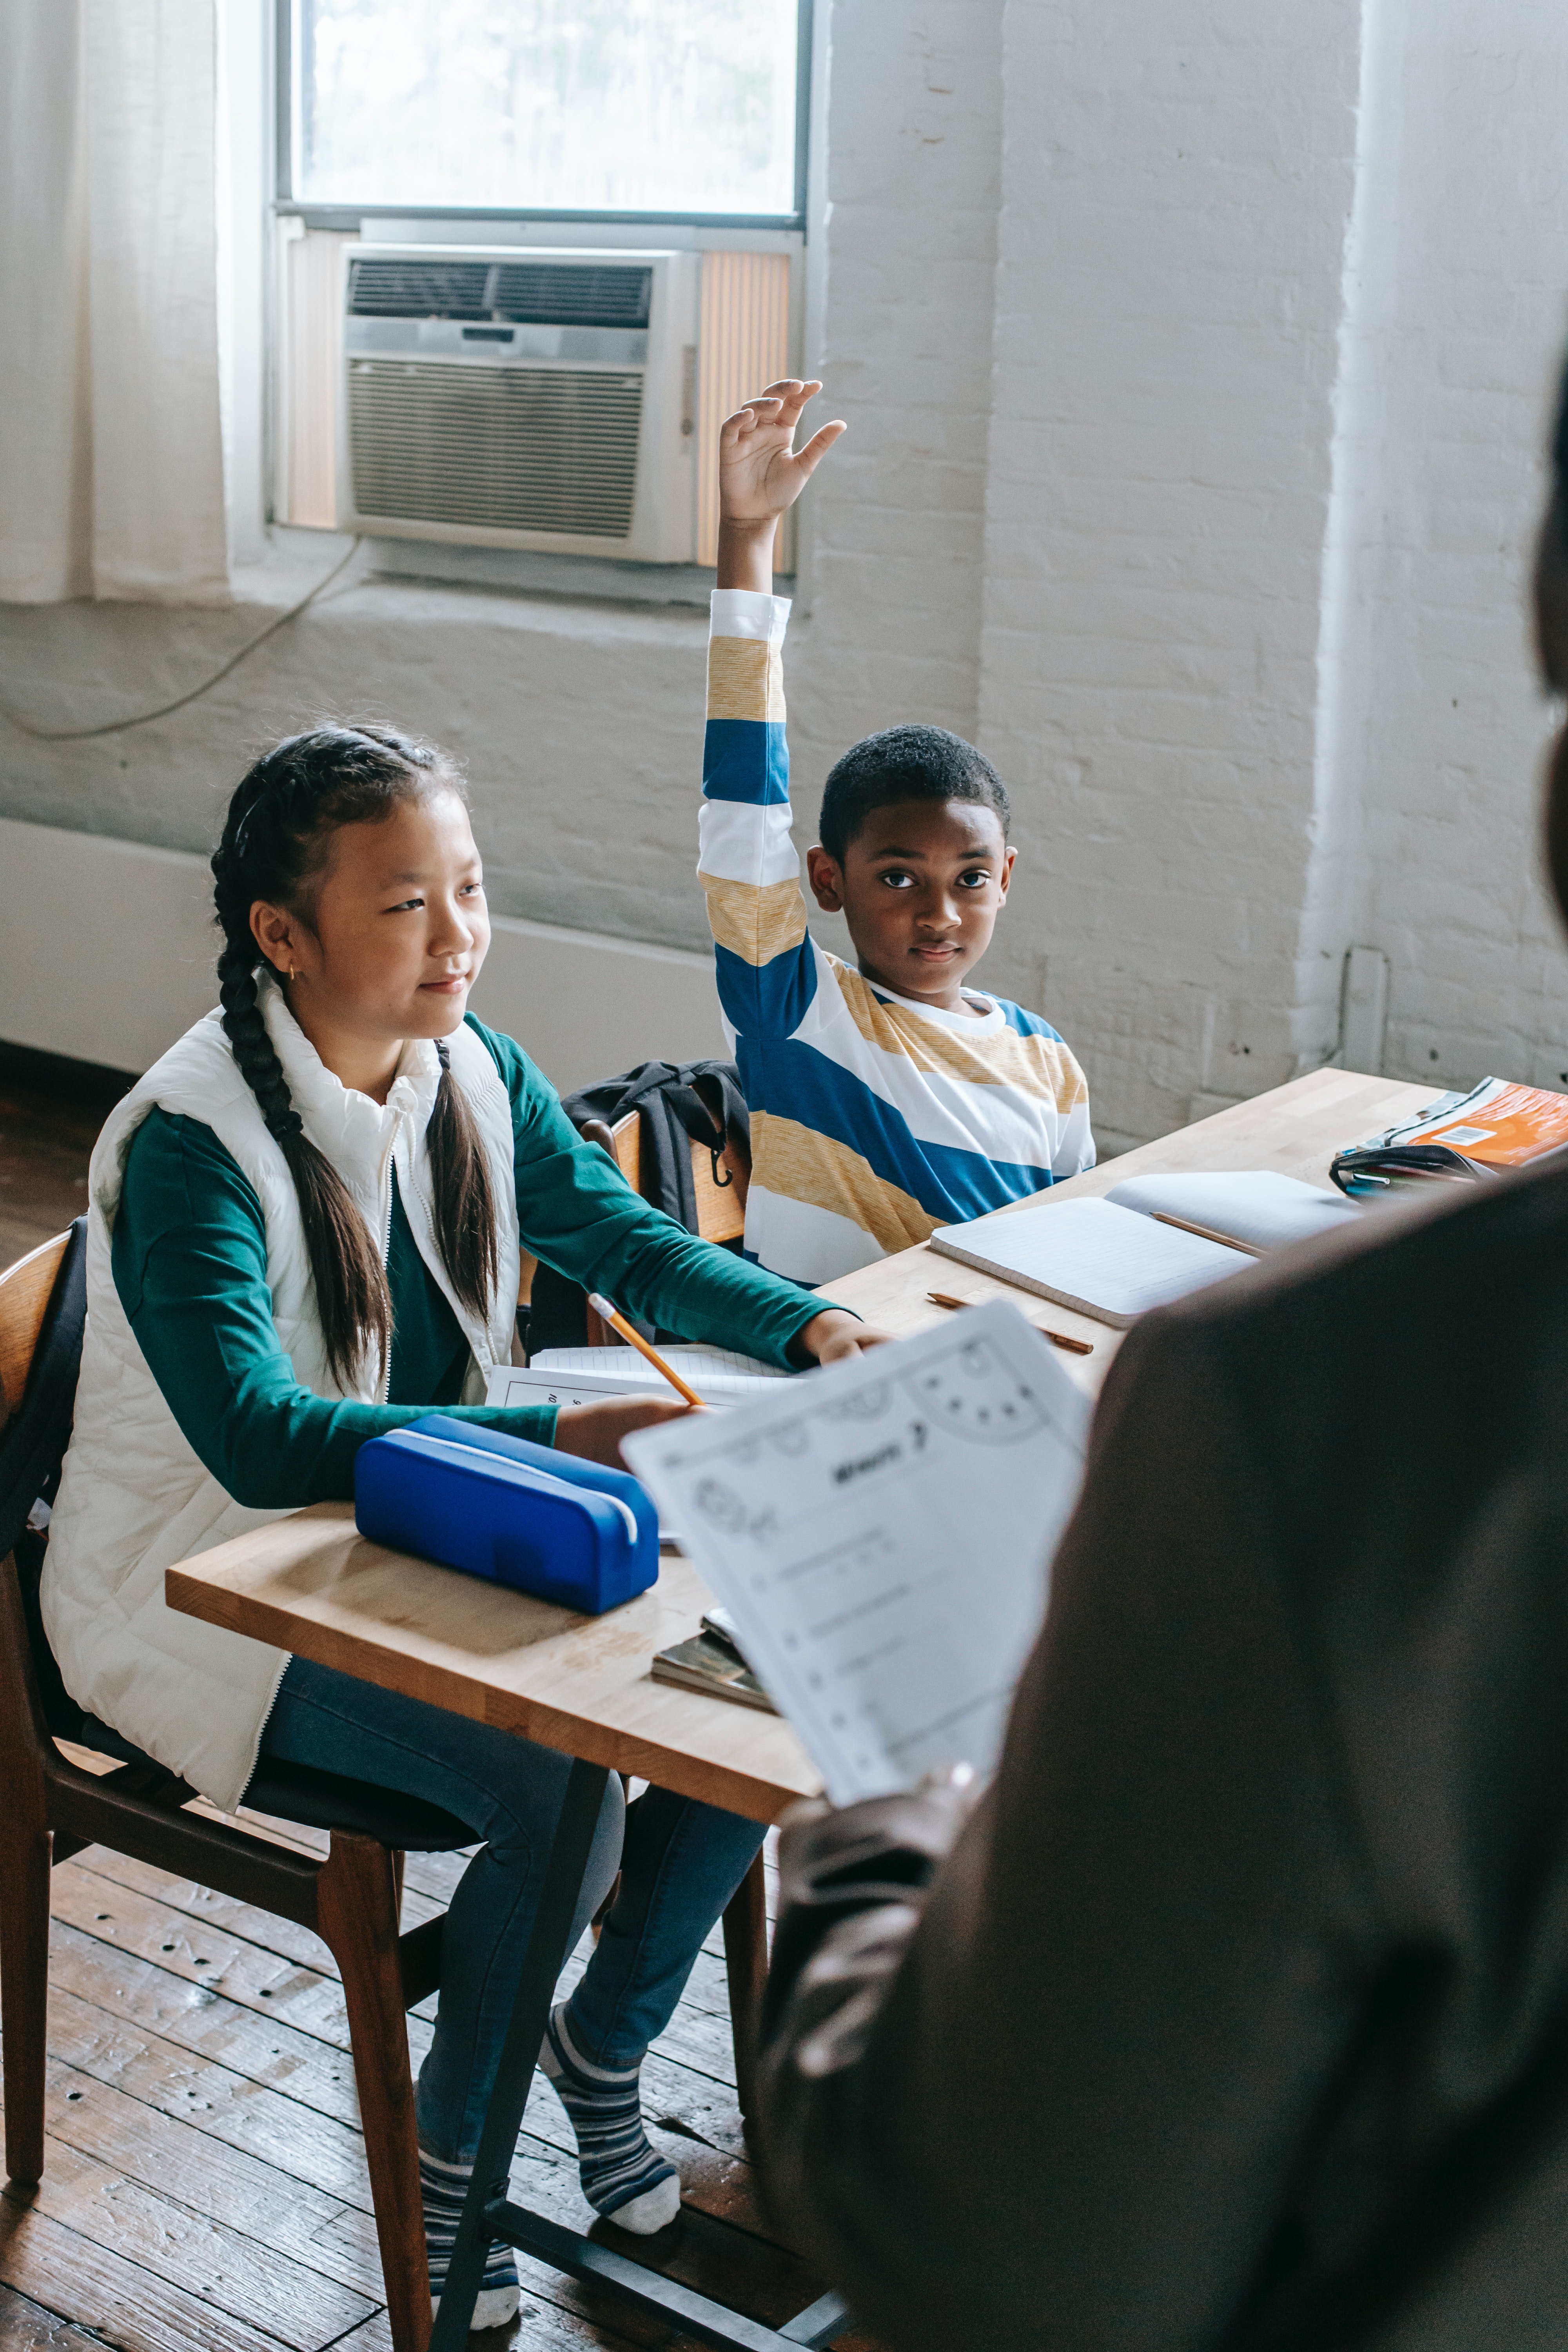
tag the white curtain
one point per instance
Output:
(111, 462)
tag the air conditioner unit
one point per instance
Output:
(520, 397)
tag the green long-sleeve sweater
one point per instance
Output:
(190, 1267)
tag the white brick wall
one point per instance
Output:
(1196, 356)
(1174, 200)
(581, 727)
(889, 628)
(1454, 331)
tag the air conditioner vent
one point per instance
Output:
(511, 449)
(604, 295)
(600, 294)
(419, 290)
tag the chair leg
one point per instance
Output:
(746, 1966)
(24, 1990)
(356, 1912)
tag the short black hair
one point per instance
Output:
(905, 764)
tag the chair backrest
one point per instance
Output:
(680, 1135)
(43, 1312)
(720, 1208)
(25, 1290)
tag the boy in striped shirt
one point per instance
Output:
(886, 1098)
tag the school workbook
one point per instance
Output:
(1118, 1257)
(1458, 1139)
(882, 1533)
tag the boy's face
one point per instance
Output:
(920, 889)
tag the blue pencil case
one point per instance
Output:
(495, 1506)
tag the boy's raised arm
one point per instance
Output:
(747, 863)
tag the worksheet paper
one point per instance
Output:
(882, 1534)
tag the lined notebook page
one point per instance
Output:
(693, 1363)
(1107, 1262)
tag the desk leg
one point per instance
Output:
(543, 1964)
(487, 2213)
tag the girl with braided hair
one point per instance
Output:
(305, 1228)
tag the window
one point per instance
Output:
(668, 109)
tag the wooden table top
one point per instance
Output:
(312, 1584)
(309, 1584)
(1294, 1129)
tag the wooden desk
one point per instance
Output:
(313, 1585)
(1295, 1128)
(308, 1583)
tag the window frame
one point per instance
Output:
(344, 216)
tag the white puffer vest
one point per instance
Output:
(135, 1499)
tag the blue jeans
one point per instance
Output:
(682, 1862)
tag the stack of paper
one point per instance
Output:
(584, 1375)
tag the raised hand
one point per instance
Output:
(760, 475)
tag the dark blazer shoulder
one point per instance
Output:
(1418, 1259)
(1385, 1379)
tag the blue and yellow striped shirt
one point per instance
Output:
(874, 1119)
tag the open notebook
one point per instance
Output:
(1114, 1258)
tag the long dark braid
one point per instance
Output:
(274, 844)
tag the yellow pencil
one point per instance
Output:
(1204, 1232)
(1057, 1338)
(617, 1322)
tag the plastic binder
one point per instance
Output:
(496, 1507)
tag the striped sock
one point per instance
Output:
(442, 2188)
(623, 2177)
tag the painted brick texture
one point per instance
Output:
(1170, 240)
(1197, 358)
(1456, 330)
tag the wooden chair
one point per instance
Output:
(54, 1808)
(721, 1207)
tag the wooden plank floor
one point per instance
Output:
(204, 2187)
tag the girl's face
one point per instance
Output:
(398, 932)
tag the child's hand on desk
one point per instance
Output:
(835, 1335)
(596, 1431)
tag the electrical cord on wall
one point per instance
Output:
(164, 709)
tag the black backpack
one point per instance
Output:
(674, 1101)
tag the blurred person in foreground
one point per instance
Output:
(1236, 2015)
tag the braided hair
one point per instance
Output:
(276, 842)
